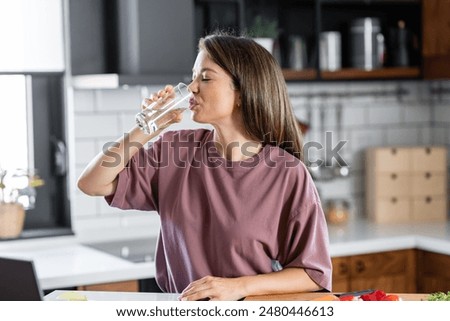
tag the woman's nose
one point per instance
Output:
(193, 88)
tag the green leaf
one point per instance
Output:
(439, 296)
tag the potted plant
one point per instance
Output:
(264, 31)
(16, 195)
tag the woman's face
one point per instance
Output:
(215, 99)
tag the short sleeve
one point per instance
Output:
(137, 186)
(307, 245)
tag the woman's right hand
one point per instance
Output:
(161, 98)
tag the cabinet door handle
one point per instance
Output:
(360, 266)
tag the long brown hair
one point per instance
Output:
(266, 109)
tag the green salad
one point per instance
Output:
(439, 296)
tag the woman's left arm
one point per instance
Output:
(289, 280)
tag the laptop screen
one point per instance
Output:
(18, 281)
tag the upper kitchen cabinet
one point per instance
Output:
(436, 39)
(131, 42)
(360, 39)
(351, 39)
(29, 42)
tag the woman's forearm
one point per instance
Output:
(99, 177)
(289, 280)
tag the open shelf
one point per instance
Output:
(382, 73)
(306, 74)
(354, 74)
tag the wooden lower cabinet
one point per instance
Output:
(433, 272)
(125, 286)
(393, 271)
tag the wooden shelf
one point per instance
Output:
(306, 74)
(384, 73)
(354, 74)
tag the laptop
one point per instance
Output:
(18, 280)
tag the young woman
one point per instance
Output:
(240, 214)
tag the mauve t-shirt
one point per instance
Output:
(225, 218)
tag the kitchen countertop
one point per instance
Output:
(59, 295)
(364, 237)
(63, 262)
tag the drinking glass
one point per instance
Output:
(161, 112)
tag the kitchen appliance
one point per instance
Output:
(366, 43)
(399, 44)
(330, 57)
(139, 250)
(136, 250)
(115, 42)
(297, 53)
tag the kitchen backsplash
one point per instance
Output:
(382, 113)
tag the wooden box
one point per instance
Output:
(406, 184)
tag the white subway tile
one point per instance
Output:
(356, 161)
(418, 92)
(337, 188)
(85, 150)
(302, 115)
(354, 115)
(384, 114)
(415, 112)
(133, 219)
(120, 99)
(440, 136)
(96, 125)
(442, 113)
(84, 100)
(127, 120)
(408, 136)
(84, 206)
(360, 92)
(426, 135)
(90, 229)
(367, 137)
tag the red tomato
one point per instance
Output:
(346, 298)
(377, 295)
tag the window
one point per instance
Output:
(32, 135)
(13, 122)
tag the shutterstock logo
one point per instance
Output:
(330, 153)
(188, 152)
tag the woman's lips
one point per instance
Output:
(192, 103)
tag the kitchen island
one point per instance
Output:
(63, 262)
